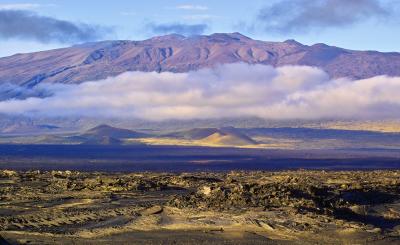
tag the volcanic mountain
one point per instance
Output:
(176, 53)
(102, 131)
(216, 136)
(228, 139)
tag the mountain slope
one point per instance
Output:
(228, 136)
(106, 131)
(194, 134)
(175, 53)
(228, 139)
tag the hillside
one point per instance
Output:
(194, 134)
(228, 136)
(228, 140)
(175, 53)
(106, 131)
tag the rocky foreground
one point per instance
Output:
(200, 208)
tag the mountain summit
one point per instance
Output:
(177, 53)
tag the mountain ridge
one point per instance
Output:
(176, 53)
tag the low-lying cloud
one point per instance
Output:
(192, 7)
(233, 90)
(23, 24)
(19, 6)
(178, 28)
(295, 16)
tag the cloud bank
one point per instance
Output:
(177, 28)
(192, 7)
(234, 90)
(19, 6)
(28, 25)
(295, 16)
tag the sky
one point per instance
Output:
(34, 25)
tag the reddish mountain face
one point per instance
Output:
(175, 53)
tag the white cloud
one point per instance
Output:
(128, 13)
(233, 90)
(192, 7)
(19, 6)
(200, 17)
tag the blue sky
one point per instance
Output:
(353, 24)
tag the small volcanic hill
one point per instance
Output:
(228, 136)
(194, 134)
(106, 131)
(100, 135)
(222, 138)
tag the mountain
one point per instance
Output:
(106, 131)
(176, 53)
(228, 139)
(194, 134)
(99, 135)
(228, 136)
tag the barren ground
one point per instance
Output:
(64, 207)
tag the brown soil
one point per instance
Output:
(298, 207)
